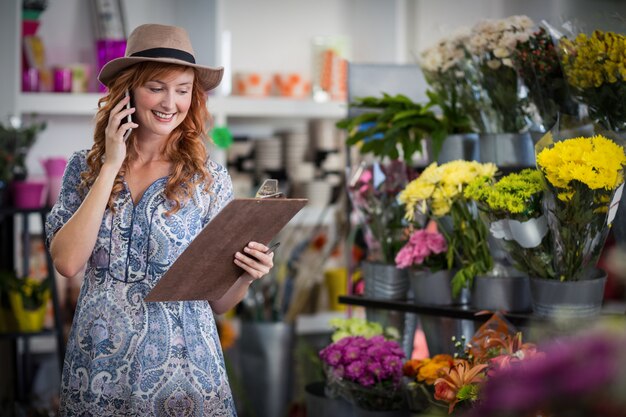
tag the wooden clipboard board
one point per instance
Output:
(205, 270)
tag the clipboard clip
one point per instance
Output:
(269, 189)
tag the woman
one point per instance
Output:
(127, 210)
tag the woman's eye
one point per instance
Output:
(156, 89)
(183, 92)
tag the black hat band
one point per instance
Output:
(166, 53)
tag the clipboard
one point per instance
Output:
(205, 270)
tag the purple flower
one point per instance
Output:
(572, 372)
(366, 380)
(355, 370)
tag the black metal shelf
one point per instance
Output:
(17, 335)
(455, 312)
(22, 367)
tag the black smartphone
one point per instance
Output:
(128, 118)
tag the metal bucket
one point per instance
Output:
(385, 281)
(461, 146)
(513, 150)
(510, 293)
(568, 299)
(434, 289)
(266, 358)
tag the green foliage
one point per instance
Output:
(396, 121)
(34, 293)
(15, 143)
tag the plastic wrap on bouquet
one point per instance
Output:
(376, 398)
(581, 198)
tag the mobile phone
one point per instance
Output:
(128, 118)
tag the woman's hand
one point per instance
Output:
(114, 134)
(255, 261)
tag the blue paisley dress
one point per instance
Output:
(131, 358)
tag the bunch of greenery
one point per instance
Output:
(15, 142)
(35, 293)
(392, 122)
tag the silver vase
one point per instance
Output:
(513, 150)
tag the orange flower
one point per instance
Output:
(432, 369)
(461, 374)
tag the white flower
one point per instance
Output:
(501, 52)
(494, 64)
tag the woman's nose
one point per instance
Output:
(168, 101)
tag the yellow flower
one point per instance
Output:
(596, 162)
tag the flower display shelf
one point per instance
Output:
(454, 312)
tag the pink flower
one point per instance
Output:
(436, 242)
(421, 245)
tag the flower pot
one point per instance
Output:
(434, 289)
(385, 281)
(461, 146)
(568, 299)
(29, 194)
(507, 149)
(508, 293)
(266, 360)
(27, 320)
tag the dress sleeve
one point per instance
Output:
(69, 197)
(221, 191)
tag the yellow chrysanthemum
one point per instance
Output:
(596, 162)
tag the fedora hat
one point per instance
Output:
(160, 43)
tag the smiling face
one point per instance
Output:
(162, 103)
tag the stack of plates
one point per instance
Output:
(324, 135)
(319, 193)
(268, 155)
(296, 147)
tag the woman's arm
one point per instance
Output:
(257, 263)
(73, 244)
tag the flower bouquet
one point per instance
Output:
(360, 327)
(456, 381)
(367, 372)
(444, 67)
(373, 190)
(511, 208)
(584, 182)
(492, 45)
(438, 193)
(577, 375)
(595, 66)
(538, 64)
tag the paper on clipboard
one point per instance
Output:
(205, 270)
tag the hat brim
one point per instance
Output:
(209, 77)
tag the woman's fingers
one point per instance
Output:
(255, 260)
(116, 126)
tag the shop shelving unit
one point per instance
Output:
(22, 340)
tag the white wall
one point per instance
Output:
(435, 19)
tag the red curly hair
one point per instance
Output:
(185, 147)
